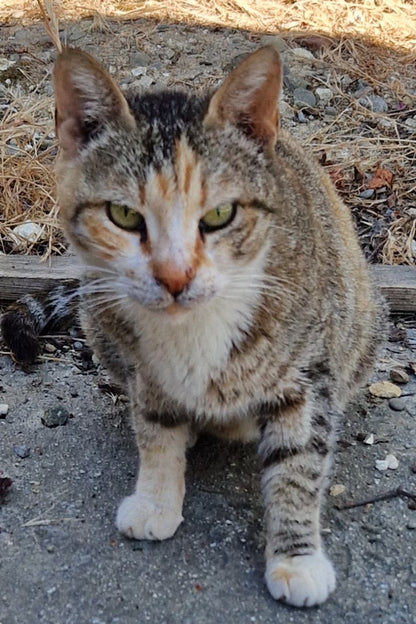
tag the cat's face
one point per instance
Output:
(154, 192)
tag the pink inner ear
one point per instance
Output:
(249, 97)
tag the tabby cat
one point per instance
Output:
(223, 287)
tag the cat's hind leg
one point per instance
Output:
(154, 511)
(294, 449)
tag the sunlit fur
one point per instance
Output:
(261, 328)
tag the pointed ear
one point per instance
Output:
(249, 97)
(86, 99)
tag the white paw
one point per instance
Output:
(301, 581)
(140, 517)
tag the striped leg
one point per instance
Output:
(295, 449)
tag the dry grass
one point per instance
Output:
(372, 39)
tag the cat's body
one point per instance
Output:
(256, 320)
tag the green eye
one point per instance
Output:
(125, 217)
(218, 217)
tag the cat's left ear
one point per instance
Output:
(86, 100)
(249, 97)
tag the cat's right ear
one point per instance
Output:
(249, 96)
(86, 99)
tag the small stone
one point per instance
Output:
(399, 375)
(139, 59)
(336, 489)
(139, 71)
(392, 462)
(78, 346)
(410, 122)
(4, 410)
(21, 451)
(411, 525)
(330, 111)
(324, 95)
(302, 53)
(366, 194)
(374, 103)
(5, 63)
(384, 390)
(382, 465)
(27, 232)
(397, 404)
(304, 98)
(369, 439)
(278, 43)
(49, 348)
(55, 417)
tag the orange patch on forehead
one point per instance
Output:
(163, 184)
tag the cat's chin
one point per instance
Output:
(175, 310)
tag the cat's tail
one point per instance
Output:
(26, 319)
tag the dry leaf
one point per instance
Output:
(382, 177)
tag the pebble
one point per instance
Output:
(366, 194)
(392, 462)
(21, 451)
(28, 231)
(384, 390)
(4, 410)
(397, 404)
(410, 122)
(324, 95)
(374, 103)
(277, 43)
(399, 375)
(49, 348)
(302, 53)
(78, 346)
(304, 97)
(139, 59)
(369, 439)
(55, 417)
(411, 525)
(381, 465)
(336, 489)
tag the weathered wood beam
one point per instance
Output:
(24, 274)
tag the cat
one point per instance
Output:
(223, 287)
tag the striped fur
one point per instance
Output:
(260, 328)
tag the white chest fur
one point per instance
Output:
(183, 356)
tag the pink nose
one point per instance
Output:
(173, 278)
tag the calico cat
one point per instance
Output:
(223, 287)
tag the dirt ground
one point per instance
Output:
(62, 560)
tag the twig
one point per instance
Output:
(380, 497)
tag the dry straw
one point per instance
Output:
(374, 40)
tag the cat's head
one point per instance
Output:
(166, 193)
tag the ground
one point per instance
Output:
(62, 560)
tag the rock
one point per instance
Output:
(384, 390)
(139, 59)
(301, 53)
(366, 194)
(49, 348)
(324, 95)
(278, 43)
(369, 439)
(27, 232)
(374, 103)
(399, 375)
(143, 82)
(330, 111)
(410, 122)
(392, 462)
(4, 410)
(5, 63)
(21, 451)
(411, 525)
(55, 417)
(397, 404)
(381, 465)
(304, 98)
(336, 489)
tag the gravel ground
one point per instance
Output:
(63, 561)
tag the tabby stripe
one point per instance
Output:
(301, 548)
(279, 455)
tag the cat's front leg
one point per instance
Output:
(154, 511)
(294, 449)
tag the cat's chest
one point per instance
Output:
(182, 358)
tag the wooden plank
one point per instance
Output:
(23, 274)
(20, 275)
(398, 285)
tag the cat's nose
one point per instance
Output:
(174, 279)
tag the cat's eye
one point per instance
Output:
(125, 217)
(218, 217)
